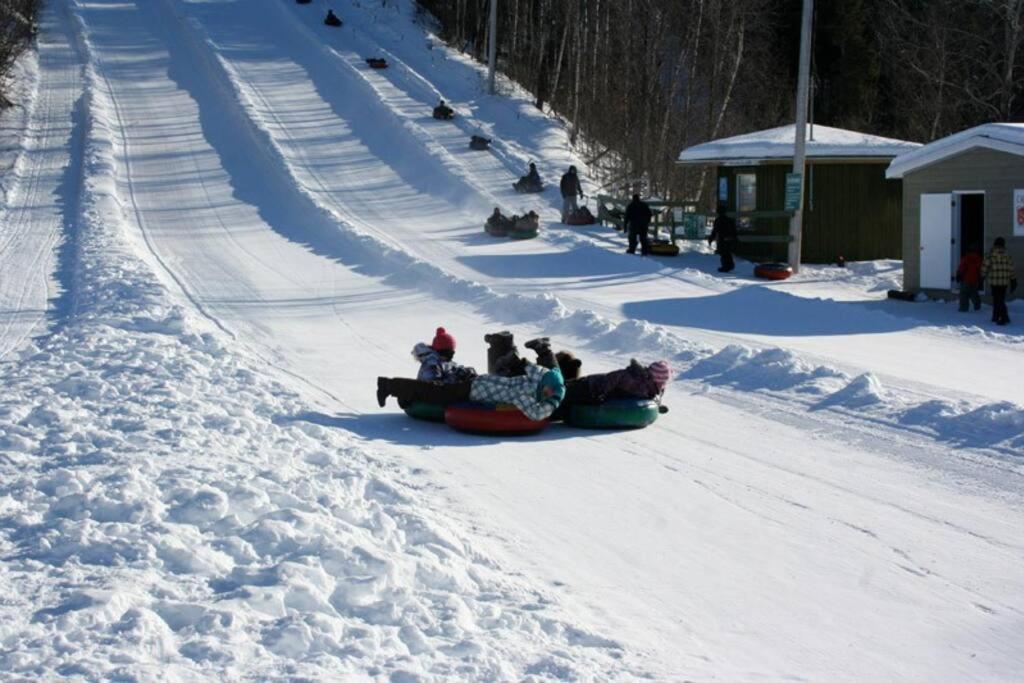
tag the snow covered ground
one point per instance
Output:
(219, 226)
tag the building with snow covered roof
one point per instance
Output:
(850, 209)
(962, 190)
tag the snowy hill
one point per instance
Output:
(219, 226)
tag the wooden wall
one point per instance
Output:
(850, 210)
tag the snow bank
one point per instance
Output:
(791, 380)
(165, 510)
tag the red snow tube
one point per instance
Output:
(377, 62)
(488, 418)
(773, 271)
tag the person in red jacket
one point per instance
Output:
(968, 274)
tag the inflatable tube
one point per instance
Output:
(419, 410)
(527, 189)
(664, 249)
(487, 418)
(495, 231)
(772, 271)
(524, 234)
(615, 413)
(580, 218)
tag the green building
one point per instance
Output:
(850, 209)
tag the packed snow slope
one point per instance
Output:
(225, 226)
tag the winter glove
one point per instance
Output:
(1013, 285)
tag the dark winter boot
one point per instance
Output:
(509, 365)
(542, 347)
(382, 391)
(499, 344)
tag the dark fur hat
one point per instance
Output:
(568, 364)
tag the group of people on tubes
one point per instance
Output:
(543, 389)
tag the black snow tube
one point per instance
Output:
(664, 249)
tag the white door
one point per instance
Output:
(936, 241)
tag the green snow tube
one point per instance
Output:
(524, 234)
(615, 413)
(431, 412)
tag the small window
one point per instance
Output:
(746, 197)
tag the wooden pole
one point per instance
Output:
(800, 141)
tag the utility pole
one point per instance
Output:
(492, 46)
(800, 142)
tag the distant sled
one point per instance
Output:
(377, 62)
(772, 271)
(581, 216)
(664, 248)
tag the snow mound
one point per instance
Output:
(771, 369)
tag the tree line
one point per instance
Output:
(17, 28)
(638, 80)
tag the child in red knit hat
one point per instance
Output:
(443, 343)
(436, 360)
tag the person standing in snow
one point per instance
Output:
(724, 232)
(999, 272)
(968, 274)
(571, 189)
(638, 220)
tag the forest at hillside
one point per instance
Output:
(639, 80)
(17, 28)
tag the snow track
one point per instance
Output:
(41, 194)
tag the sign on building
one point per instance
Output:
(793, 184)
(1018, 213)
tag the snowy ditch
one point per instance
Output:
(777, 375)
(158, 518)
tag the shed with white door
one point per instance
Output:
(964, 189)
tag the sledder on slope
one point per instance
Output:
(530, 182)
(443, 112)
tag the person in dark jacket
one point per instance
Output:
(332, 19)
(638, 220)
(571, 189)
(443, 111)
(968, 274)
(724, 233)
(999, 272)
(530, 182)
